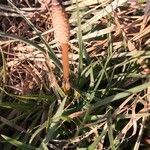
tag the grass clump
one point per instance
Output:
(108, 104)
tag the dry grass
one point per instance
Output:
(108, 106)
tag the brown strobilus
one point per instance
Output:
(61, 27)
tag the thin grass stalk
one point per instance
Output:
(138, 141)
(110, 131)
(80, 41)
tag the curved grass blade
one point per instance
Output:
(3, 34)
(43, 126)
(52, 128)
(51, 53)
(18, 144)
(110, 99)
(98, 139)
(18, 106)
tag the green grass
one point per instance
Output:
(107, 107)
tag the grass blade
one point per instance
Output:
(80, 41)
(18, 144)
(54, 124)
(51, 53)
(110, 99)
